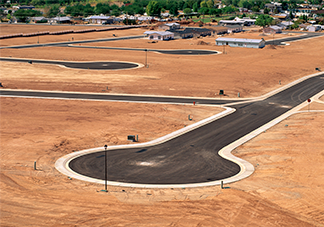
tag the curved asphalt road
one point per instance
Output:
(79, 65)
(176, 52)
(303, 35)
(110, 97)
(193, 157)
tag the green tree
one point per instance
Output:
(203, 4)
(54, 10)
(210, 4)
(203, 11)
(102, 9)
(263, 20)
(153, 8)
(256, 9)
(266, 11)
(195, 7)
(23, 15)
(187, 11)
(174, 10)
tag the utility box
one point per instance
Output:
(221, 92)
(131, 137)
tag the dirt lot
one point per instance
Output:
(250, 72)
(285, 190)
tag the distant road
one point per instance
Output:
(294, 38)
(78, 65)
(73, 42)
(192, 157)
(113, 97)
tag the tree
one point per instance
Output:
(229, 9)
(23, 15)
(210, 4)
(54, 11)
(203, 4)
(263, 20)
(195, 7)
(174, 10)
(102, 9)
(203, 10)
(255, 9)
(266, 11)
(153, 8)
(187, 11)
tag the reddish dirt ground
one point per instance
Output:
(286, 188)
(250, 72)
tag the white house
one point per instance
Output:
(245, 21)
(169, 26)
(233, 42)
(156, 35)
(100, 19)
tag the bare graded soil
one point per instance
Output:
(285, 190)
(250, 72)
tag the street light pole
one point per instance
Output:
(106, 168)
(146, 57)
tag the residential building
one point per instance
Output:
(169, 26)
(236, 42)
(100, 19)
(60, 20)
(159, 35)
(272, 29)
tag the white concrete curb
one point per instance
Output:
(62, 164)
(247, 168)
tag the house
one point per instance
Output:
(280, 16)
(60, 20)
(169, 26)
(313, 28)
(245, 21)
(272, 29)
(191, 32)
(234, 28)
(23, 7)
(274, 6)
(285, 24)
(38, 19)
(156, 35)
(219, 30)
(303, 11)
(235, 42)
(230, 22)
(100, 19)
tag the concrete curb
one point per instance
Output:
(62, 164)
(246, 168)
(139, 65)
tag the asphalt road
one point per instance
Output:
(176, 52)
(294, 38)
(110, 97)
(193, 157)
(73, 42)
(79, 65)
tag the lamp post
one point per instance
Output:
(106, 168)
(146, 57)
(38, 37)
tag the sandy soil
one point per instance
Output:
(285, 190)
(14, 29)
(250, 72)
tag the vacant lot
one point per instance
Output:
(285, 190)
(250, 72)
